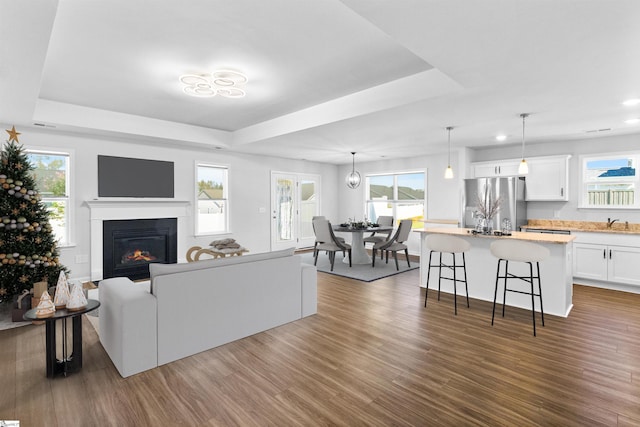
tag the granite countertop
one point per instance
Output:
(518, 235)
(441, 221)
(584, 226)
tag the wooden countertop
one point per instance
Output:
(518, 235)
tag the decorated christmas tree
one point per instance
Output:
(28, 252)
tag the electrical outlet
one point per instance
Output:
(556, 214)
(262, 210)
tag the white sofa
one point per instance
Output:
(189, 308)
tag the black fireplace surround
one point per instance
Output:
(129, 246)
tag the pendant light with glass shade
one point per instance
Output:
(523, 169)
(353, 178)
(448, 173)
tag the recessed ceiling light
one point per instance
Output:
(501, 138)
(222, 82)
(632, 121)
(631, 102)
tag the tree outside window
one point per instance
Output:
(51, 174)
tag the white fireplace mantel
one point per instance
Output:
(116, 208)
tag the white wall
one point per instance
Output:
(249, 187)
(569, 210)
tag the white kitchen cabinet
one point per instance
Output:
(623, 265)
(606, 262)
(495, 168)
(590, 261)
(548, 179)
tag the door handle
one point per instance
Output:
(604, 253)
(561, 192)
(609, 253)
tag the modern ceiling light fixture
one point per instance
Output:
(448, 173)
(225, 83)
(353, 179)
(523, 169)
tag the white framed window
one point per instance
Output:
(52, 172)
(212, 199)
(610, 181)
(401, 195)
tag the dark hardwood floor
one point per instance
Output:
(373, 355)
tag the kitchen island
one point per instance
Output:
(556, 271)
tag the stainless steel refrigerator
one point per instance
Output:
(510, 192)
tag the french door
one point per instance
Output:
(295, 200)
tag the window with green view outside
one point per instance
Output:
(401, 195)
(51, 174)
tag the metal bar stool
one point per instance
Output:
(443, 243)
(519, 251)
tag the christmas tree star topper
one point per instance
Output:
(13, 134)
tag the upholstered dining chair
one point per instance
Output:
(380, 236)
(395, 243)
(327, 241)
(341, 239)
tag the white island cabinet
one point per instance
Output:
(555, 272)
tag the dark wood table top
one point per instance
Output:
(381, 228)
(92, 304)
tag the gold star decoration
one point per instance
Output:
(15, 211)
(3, 291)
(19, 166)
(38, 240)
(13, 134)
(20, 238)
(23, 279)
(23, 206)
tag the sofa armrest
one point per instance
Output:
(128, 325)
(309, 290)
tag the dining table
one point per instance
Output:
(359, 254)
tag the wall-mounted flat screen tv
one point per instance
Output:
(128, 177)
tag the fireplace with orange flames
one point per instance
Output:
(129, 246)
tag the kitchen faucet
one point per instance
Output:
(610, 222)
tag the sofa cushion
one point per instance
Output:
(156, 269)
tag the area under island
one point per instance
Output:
(556, 271)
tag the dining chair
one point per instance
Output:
(380, 236)
(314, 232)
(395, 243)
(327, 241)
